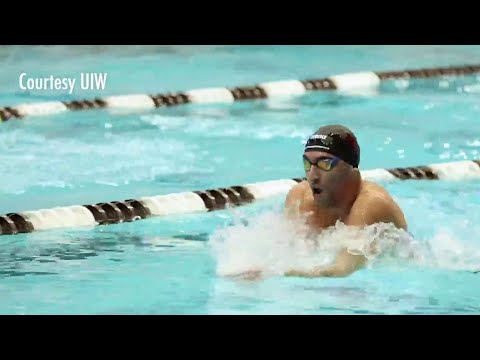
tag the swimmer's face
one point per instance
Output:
(326, 182)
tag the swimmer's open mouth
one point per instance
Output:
(316, 191)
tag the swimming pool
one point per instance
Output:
(174, 264)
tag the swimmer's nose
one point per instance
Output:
(313, 177)
(311, 172)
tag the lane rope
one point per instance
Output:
(129, 210)
(347, 82)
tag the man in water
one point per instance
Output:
(335, 191)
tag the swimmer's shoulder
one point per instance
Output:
(371, 191)
(296, 195)
(379, 204)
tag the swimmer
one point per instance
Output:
(335, 191)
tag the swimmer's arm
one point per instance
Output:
(378, 210)
(345, 264)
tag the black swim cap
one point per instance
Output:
(336, 140)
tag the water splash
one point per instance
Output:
(445, 250)
(271, 244)
(215, 126)
(28, 160)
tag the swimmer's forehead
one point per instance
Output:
(317, 154)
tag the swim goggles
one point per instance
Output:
(323, 163)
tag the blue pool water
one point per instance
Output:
(176, 264)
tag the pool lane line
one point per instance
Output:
(129, 210)
(347, 82)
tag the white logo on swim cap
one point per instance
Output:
(318, 136)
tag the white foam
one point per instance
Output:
(472, 88)
(275, 249)
(474, 143)
(449, 252)
(147, 158)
